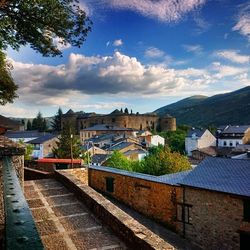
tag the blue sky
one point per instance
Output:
(140, 54)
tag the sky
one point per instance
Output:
(140, 54)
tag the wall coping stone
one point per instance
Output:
(10, 148)
(170, 179)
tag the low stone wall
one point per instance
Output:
(154, 199)
(130, 231)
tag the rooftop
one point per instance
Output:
(42, 139)
(235, 129)
(24, 134)
(171, 179)
(105, 127)
(221, 174)
(53, 160)
(196, 133)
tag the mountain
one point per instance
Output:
(230, 108)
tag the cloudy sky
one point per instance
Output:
(141, 54)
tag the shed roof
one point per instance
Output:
(196, 133)
(42, 139)
(221, 174)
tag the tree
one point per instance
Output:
(131, 112)
(39, 123)
(121, 110)
(56, 123)
(126, 110)
(28, 149)
(29, 125)
(7, 86)
(118, 160)
(67, 139)
(43, 25)
(38, 23)
(162, 161)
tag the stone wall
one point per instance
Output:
(156, 200)
(134, 121)
(215, 219)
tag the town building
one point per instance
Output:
(232, 136)
(24, 136)
(214, 212)
(7, 124)
(43, 146)
(197, 139)
(101, 129)
(150, 121)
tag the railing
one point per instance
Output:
(20, 229)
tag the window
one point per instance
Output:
(110, 184)
(225, 143)
(183, 212)
(230, 144)
(237, 143)
(246, 210)
(113, 119)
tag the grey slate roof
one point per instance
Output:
(221, 174)
(171, 179)
(235, 129)
(121, 145)
(196, 132)
(104, 127)
(99, 158)
(42, 139)
(24, 134)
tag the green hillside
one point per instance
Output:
(230, 108)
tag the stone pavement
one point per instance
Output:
(63, 221)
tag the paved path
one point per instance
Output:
(63, 221)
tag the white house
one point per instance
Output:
(43, 146)
(197, 139)
(232, 136)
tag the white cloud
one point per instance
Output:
(82, 79)
(153, 52)
(194, 48)
(243, 21)
(223, 71)
(163, 10)
(233, 56)
(118, 42)
(60, 45)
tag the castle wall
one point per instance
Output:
(140, 122)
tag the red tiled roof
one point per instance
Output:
(54, 160)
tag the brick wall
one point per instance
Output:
(156, 200)
(215, 219)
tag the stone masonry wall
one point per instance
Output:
(156, 200)
(215, 218)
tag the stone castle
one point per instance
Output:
(149, 121)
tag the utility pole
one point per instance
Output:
(71, 148)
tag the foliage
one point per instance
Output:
(56, 123)
(176, 139)
(38, 22)
(46, 25)
(28, 149)
(118, 160)
(67, 139)
(39, 123)
(162, 161)
(7, 86)
(126, 110)
(159, 161)
(29, 125)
